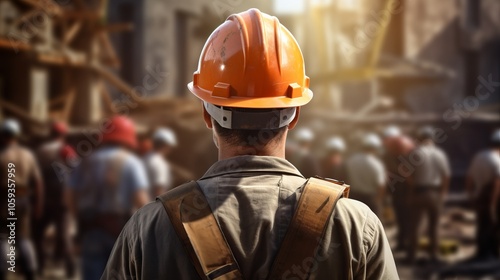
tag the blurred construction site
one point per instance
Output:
(373, 64)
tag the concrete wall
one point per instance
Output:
(168, 38)
(436, 31)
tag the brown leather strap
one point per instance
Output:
(197, 228)
(202, 238)
(315, 206)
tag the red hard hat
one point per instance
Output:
(122, 130)
(59, 128)
(399, 145)
(68, 153)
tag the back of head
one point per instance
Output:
(425, 133)
(58, 129)
(251, 79)
(400, 145)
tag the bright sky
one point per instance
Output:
(298, 6)
(289, 6)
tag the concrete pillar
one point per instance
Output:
(87, 104)
(38, 100)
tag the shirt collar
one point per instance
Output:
(248, 164)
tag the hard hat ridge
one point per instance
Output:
(259, 39)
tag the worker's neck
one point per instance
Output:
(427, 142)
(271, 149)
(7, 143)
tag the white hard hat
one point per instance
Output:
(165, 135)
(495, 138)
(392, 131)
(11, 126)
(335, 144)
(371, 140)
(304, 135)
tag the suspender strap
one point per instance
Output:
(199, 232)
(306, 229)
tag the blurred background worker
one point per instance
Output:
(366, 174)
(483, 179)
(300, 154)
(28, 191)
(157, 166)
(104, 190)
(428, 188)
(397, 147)
(332, 165)
(51, 155)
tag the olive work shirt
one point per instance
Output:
(253, 198)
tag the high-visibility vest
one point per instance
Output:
(203, 240)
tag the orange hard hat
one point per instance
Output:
(121, 130)
(251, 61)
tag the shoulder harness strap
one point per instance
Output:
(315, 206)
(204, 241)
(199, 232)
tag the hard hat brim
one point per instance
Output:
(257, 103)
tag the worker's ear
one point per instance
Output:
(207, 117)
(295, 120)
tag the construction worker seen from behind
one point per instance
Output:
(252, 215)
(366, 174)
(427, 190)
(51, 155)
(300, 154)
(332, 164)
(483, 185)
(157, 166)
(20, 173)
(105, 188)
(397, 149)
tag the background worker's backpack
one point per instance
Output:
(205, 244)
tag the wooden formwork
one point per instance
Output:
(57, 61)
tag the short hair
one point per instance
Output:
(159, 144)
(249, 137)
(8, 135)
